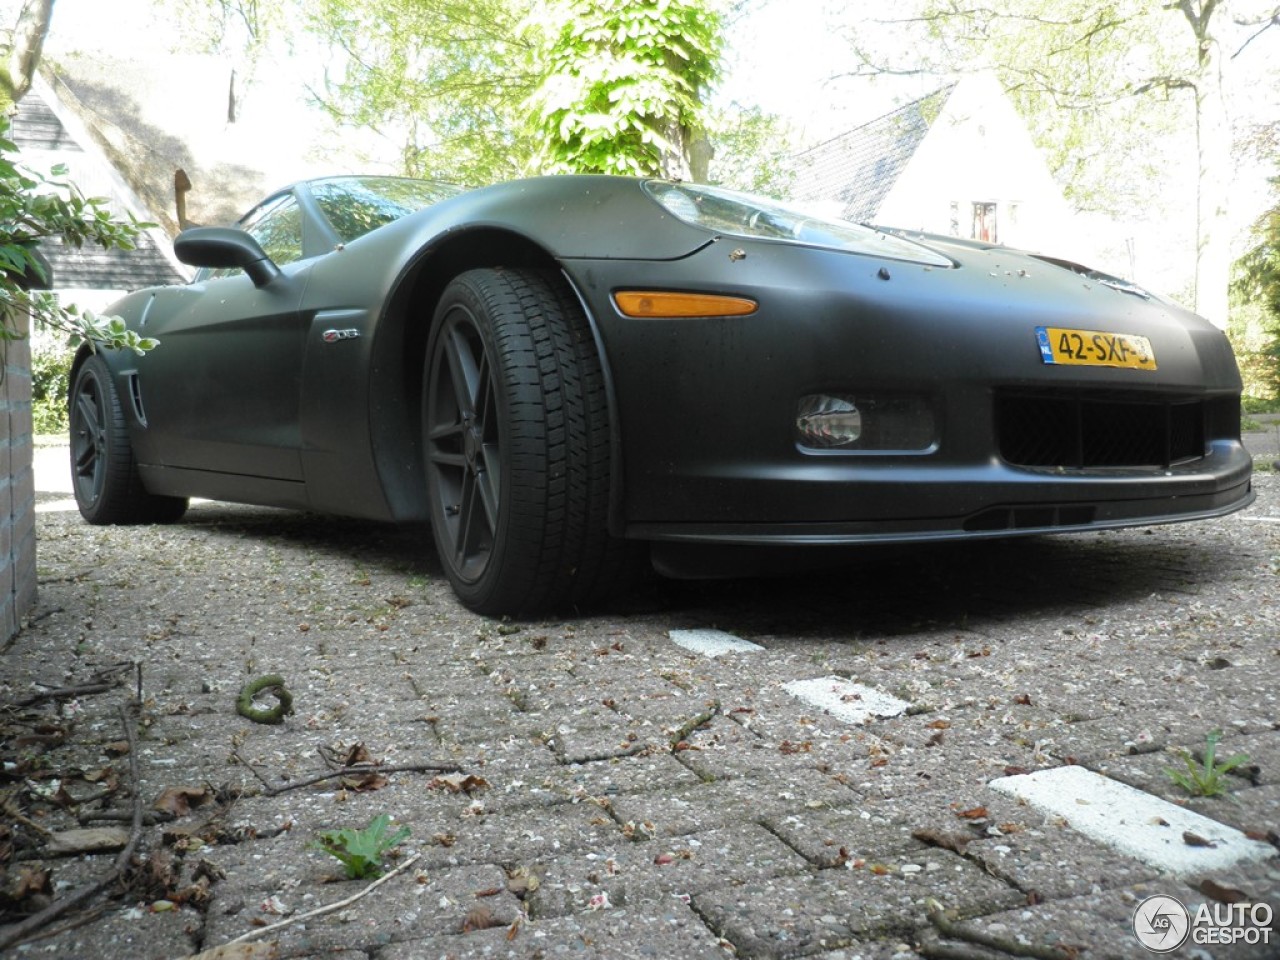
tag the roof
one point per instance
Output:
(858, 169)
(37, 130)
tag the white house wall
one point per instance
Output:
(978, 151)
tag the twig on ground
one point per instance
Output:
(947, 925)
(22, 931)
(362, 769)
(65, 693)
(235, 752)
(321, 911)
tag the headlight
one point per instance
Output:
(864, 422)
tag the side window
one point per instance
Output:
(277, 226)
(278, 230)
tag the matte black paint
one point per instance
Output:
(245, 400)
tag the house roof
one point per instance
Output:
(37, 130)
(857, 169)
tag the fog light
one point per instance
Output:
(858, 422)
(825, 421)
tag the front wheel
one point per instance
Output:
(103, 472)
(517, 441)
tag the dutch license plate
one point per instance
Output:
(1093, 348)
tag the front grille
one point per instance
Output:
(1038, 430)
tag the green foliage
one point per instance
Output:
(1095, 82)
(752, 152)
(1255, 317)
(447, 79)
(361, 851)
(623, 85)
(35, 208)
(1205, 778)
(50, 384)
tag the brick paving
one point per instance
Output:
(631, 797)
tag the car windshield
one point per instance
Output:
(742, 215)
(356, 205)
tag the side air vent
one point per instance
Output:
(135, 397)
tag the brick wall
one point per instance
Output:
(17, 489)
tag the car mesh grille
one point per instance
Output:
(1036, 430)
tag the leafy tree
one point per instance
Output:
(34, 208)
(1099, 82)
(753, 151)
(624, 84)
(445, 78)
(1255, 289)
(23, 51)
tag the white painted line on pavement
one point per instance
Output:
(1131, 821)
(1259, 519)
(845, 700)
(712, 643)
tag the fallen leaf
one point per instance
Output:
(365, 782)
(179, 801)
(1013, 771)
(458, 783)
(357, 755)
(955, 842)
(1023, 699)
(663, 859)
(1221, 892)
(488, 892)
(973, 813)
(479, 917)
(939, 724)
(1195, 840)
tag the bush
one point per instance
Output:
(50, 382)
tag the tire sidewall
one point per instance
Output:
(464, 294)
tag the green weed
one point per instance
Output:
(1206, 779)
(361, 851)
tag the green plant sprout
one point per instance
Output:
(1206, 779)
(361, 851)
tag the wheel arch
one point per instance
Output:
(398, 354)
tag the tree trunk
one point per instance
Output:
(24, 53)
(1213, 142)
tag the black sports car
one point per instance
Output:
(561, 372)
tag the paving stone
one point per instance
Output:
(1098, 925)
(408, 907)
(795, 916)
(130, 931)
(711, 805)
(834, 838)
(648, 932)
(631, 873)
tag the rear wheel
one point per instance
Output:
(103, 472)
(516, 433)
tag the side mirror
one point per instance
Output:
(222, 247)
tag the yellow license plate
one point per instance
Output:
(1093, 348)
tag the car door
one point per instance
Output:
(221, 394)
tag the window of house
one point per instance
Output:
(984, 222)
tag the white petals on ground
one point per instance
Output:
(712, 643)
(845, 700)
(1136, 823)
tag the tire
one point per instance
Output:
(516, 438)
(104, 475)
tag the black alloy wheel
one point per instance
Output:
(104, 475)
(516, 432)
